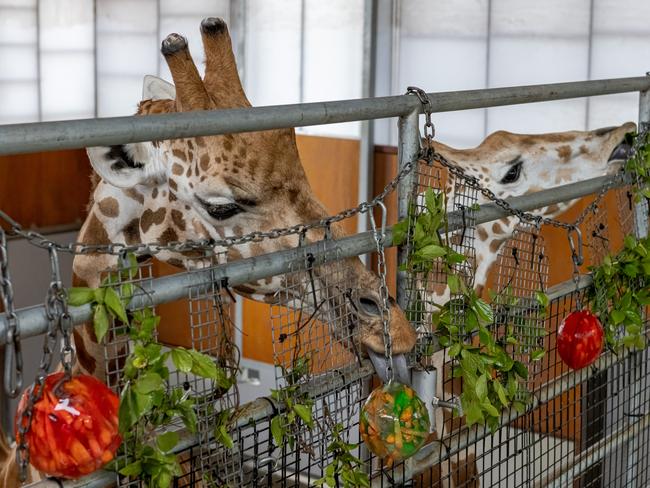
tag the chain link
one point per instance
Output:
(59, 320)
(379, 235)
(13, 364)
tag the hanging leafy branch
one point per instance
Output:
(491, 376)
(620, 292)
(149, 404)
(296, 402)
(639, 164)
(345, 470)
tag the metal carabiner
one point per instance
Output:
(576, 251)
(381, 235)
(13, 377)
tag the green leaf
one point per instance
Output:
(453, 282)
(277, 430)
(542, 298)
(188, 415)
(501, 392)
(132, 406)
(483, 310)
(304, 412)
(148, 383)
(490, 409)
(431, 252)
(133, 469)
(182, 359)
(167, 441)
(481, 387)
(80, 296)
(203, 365)
(100, 321)
(618, 316)
(537, 354)
(455, 349)
(521, 370)
(114, 304)
(222, 436)
(473, 415)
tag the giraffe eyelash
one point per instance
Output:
(513, 173)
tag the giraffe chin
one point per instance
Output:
(400, 367)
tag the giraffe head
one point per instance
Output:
(518, 164)
(215, 187)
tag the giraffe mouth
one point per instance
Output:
(620, 153)
(400, 367)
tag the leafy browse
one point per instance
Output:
(148, 402)
(345, 470)
(621, 290)
(492, 378)
(297, 404)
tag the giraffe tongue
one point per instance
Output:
(401, 370)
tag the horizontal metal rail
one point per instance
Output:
(50, 136)
(33, 320)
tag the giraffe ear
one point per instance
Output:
(154, 88)
(127, 165)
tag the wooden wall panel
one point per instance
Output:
(45, 189)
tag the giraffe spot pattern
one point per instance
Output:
(177, 169)
(150, 218)
(178, 219)
(109, 206)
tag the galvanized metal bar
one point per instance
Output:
(33, 320)
(49, 136)
(408, 149)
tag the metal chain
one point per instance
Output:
(13, 365)
(379, 235)
(59, 320)
(41, 241)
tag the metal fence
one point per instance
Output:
(583, 428)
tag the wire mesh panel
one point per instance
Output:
(519, 308)
(212, 333)
(315, 338)
(596, 232)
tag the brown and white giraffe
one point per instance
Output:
(210, 188)
(513, 165)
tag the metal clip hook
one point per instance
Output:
(381, 235)
(576, 251)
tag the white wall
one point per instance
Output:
(468, 44)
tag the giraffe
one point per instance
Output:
(211, 187)
(511, 165)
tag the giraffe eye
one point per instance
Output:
(220, 211)
(513, 173)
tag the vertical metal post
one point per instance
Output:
(367, 145)
(408, 148)
(636, 360)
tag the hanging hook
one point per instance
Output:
(384, 215)
(576, 250)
